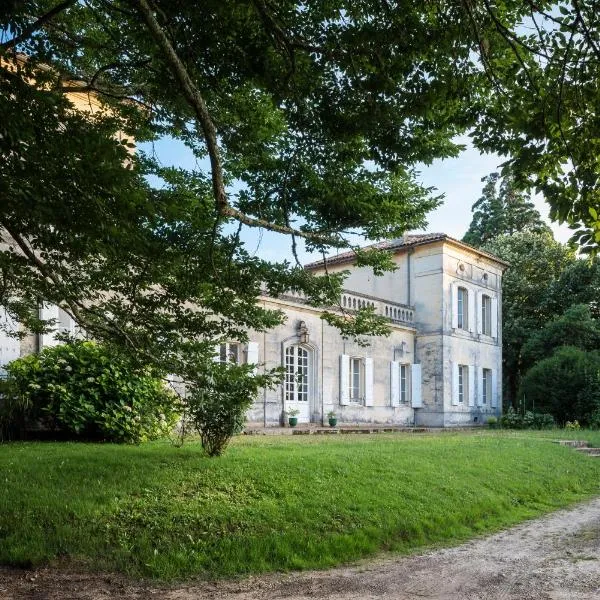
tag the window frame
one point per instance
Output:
(486, 315)
(486, 387)
(225, 355)
(404, 383)
(462, 308)
(293, 388)
(360, 362)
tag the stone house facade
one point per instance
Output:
(440, 366)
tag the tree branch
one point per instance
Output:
(37, 24)
(193, 97)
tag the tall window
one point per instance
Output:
(296, 374)
(463, 308)
(486, 387)
(486, 315)
(404, 384)
(463, 384)
(357, 380)
(230, 353)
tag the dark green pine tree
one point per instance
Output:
(502, 209)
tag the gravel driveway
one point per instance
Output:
(555, 557)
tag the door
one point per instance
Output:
(297, 381)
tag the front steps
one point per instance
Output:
(580, 446)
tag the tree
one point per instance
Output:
(567, 385)
(575, 328)
(312, 118)
(536, 262)
(502, 211)
(579, 283)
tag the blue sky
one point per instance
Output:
(459, 179)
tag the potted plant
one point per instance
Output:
(292, 416)
(332, 418)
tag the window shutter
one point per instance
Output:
(471, 398)
(344, 378)
(454, 291)
(217, 353)
(479, 311)
(494, 389)
(49, 312)
(494, 317)
(10, 347)
(471, 315)
(252, 355)
(368, 382)
(454, 384)
(415, 386)
(395, 383)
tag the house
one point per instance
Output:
(441, 365)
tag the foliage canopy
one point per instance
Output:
(311, 118)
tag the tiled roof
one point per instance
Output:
(407, 241)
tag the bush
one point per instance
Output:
(566, 385)
(217, 402)
(492, 422)
(594, 420)
(529, 420)
(87, 390)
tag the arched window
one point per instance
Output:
(297, 365)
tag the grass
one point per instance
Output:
(274, 503)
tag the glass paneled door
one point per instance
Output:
(297, 381)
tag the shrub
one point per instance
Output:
(594, 420)
(217, 402)
(87, 390)
(566, 385)
(543, 421)
(511, 419)
(529, 420)
(573, 425)
(492, 422)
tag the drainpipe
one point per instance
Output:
(264, 368)
(320, 357)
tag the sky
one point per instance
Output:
(459, 179)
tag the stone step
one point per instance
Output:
(573, 443)
(589, 451)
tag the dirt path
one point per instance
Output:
(556, 557)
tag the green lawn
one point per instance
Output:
(273, 503)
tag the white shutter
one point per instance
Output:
(494, 389)
(49, 312)
(454, 384)
(252, 355)
(395, 383)
(478, 311)
(368, 382)
(471, 314)
(415, 386)
(454, 290)
(217, 353)
(494, 317)
(10, 347)
(471, 398)
(344, 378)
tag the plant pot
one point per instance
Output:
(332, 421)
(293, 421)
